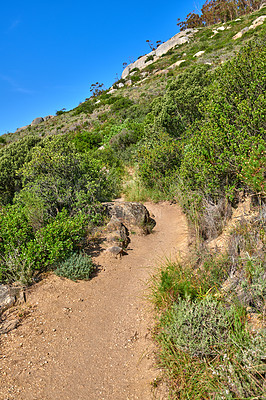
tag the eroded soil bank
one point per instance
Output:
(92, 340)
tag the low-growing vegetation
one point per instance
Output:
(206, 306)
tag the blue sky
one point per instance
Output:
(52, 51)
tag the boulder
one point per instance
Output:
(111, 91)
(117, 233)
(37, 121)
(115, 251)
(176, 64)
(134, 216)
(199, 53)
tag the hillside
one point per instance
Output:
(217, 42)
(185, 124)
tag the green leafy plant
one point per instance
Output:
(77, 266)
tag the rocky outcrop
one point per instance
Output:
(176, 64)
(134, 216)
(258, 21)
(142, 62)
(37, 121)
(48, 117)
(125, 218)
(117, 233)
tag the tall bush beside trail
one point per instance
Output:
(225, 150)
(59, 177)
(158, 159)
(179, 107)
(12, 158)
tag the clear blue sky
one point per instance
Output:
(52, 51)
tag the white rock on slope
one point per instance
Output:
(259, 21)
(178, 39)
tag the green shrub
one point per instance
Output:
(226, 151)
(24, 252)
(149, 58)
(58, 239)
(12, 158)
(121, 103)
(60, 177)
(180, 105)
(206, 347)
(77, 266)
(158, 158)
(86, 140)
(86, 107)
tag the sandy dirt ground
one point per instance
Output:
(92, 340)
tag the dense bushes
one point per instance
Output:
(25, 251)
(208, 347)
(158, 158)
(12, 158)
(226, 150)
(60, 177)
(179, 107)
(54, 204)
(219, 120)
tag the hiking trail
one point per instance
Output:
(91, 340)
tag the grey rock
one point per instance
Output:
(111, 91)
(48, 117)
(8, 326)
(37, 121)
(132, 215)
(117, 233)
(7, 300)
(177, 40)
(257, 22)
(115, 251)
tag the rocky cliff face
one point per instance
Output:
(144, 61)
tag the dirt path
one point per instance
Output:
(91, 340)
